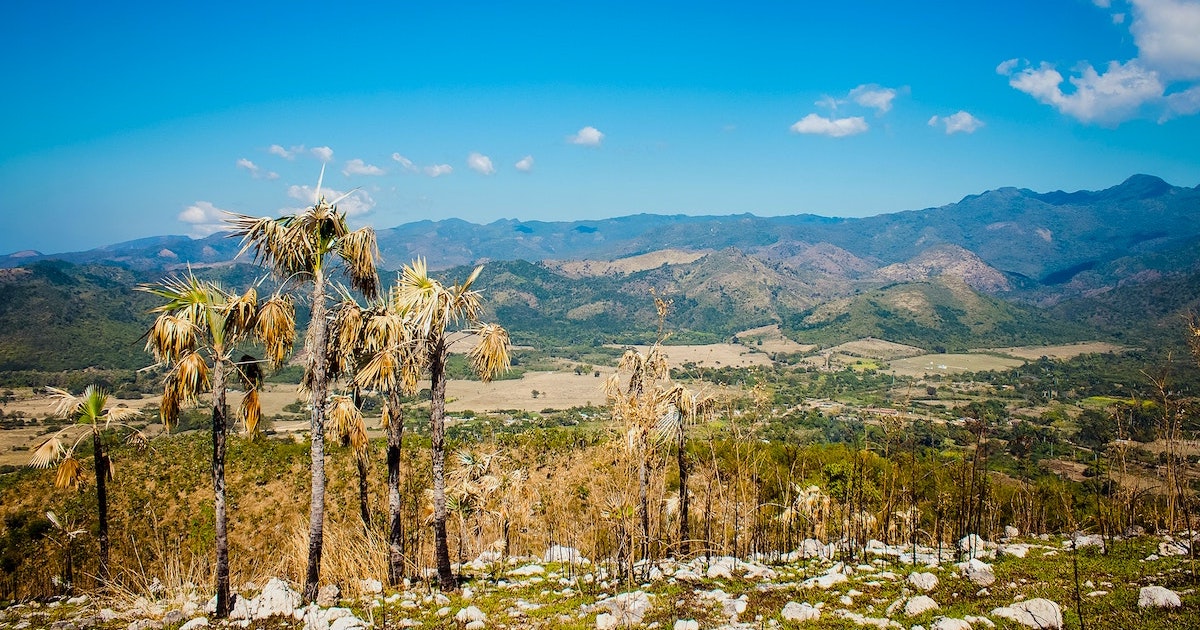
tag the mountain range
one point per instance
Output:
(997, 268)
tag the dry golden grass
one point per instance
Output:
(1064, 351)
(951, 364)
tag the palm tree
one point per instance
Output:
(434, 310)
(380, 344)
(92, 412)
(302, 246)
(197, 330)
(684, 407)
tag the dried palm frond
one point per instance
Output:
(192, 376)
(346, 422)
(359, 251)
(170, 337)
(489, 357)
(251, 410)
(240, 313)
(70, 473)
(276, 327)
(172, 401)
(66, 404)
(138, 439)
(47, 453)
(121, 414)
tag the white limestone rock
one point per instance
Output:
(919, 605)
(793, 611)
(627, 609)
(686, 624)
(1035, 613)
(980, 573)
(924, 581)
(950, 623)
(198, 622)
(1158, 597)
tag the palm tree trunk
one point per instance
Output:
(218, 477)
(318, 329)
(395, 531)
(102, 469)
(360, 459)
(437, 426)
(684, 531)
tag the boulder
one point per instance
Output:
(527, 570)
(793, 611)
(328, 596)
(469, 614)
(980, 573)
(1035, 613)
(950, 623)
(1158, 597)
(627, 609)
(686, 624)
(924, 581)
(605, 621)
(198, 622)
(919, 605)
(277, 599)
(559, 553)
(371, 587)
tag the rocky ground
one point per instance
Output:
(1143, 582)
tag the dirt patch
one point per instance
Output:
(770, 339)
(952, 364)
(713, 355)
(1065, 351)
(876, 349)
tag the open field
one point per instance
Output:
(876, 349)
(773, 340)
(713, 355)
(951, 364)
(1065, 351)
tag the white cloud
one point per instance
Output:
(356, 203)
(834, 128)
(960, 122)
(1167, 34)
(1006, 67)
(255, 171)
(203, 219)
(287, 154)
(1111, 97)
(358, 167)
(437, 170)
(1159, 81)
(873, 96)
(588, 136)
(325, 154)
(404, 162)
(1183, 103)
(525, 164)
(480, 163)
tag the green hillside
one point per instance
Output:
(941, 315)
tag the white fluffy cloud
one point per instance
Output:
(480, 163)
(437, 170)
(959, 122)
(287, 154)
(356, 203)
(203, 219)
(325, 154)
(404, 162)
(358, 167)
(874, 96)
(1115, 95)
(588, 136)
(1161, 81)
(255, 171)
(832, 127)
(1167, 34)
(525, 164)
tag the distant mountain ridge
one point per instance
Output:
(1041, 237)
(978, 273)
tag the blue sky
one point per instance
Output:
(146, 119)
